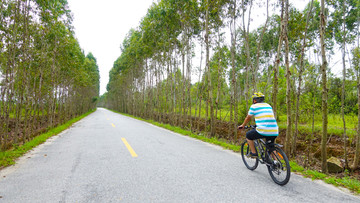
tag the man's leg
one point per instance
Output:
(252, 145)
(272, 139)
(250, 137)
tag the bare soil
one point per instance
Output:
(19, 133)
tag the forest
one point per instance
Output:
(195, 64)
(45, 77)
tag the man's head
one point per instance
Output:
(258, 97)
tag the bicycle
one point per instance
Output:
(269, 154)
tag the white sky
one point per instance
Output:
(101, 26)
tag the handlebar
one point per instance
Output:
(247, 127)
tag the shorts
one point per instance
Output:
(254, 135)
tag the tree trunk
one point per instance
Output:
(277, 62)
(357, 139)
(188, 65)
(301, 70)
(247, 50)
(219, 77)
(199, 90)
(324, 88)
(343, 88)
(288, 81)
(210, 98)
(357, 69)
(182, 110)
(309, 158)
(233, 66)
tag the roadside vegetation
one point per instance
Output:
(9, 156)
(195, 64)
(45, 77)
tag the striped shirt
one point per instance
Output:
(264, 118)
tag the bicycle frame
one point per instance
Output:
(263, 148)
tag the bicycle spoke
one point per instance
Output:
(250, 163)
(279, 168)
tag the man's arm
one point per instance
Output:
(247, 119)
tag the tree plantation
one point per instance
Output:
(45, 77)
(195, 64)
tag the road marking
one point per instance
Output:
(113, 125)
(132, 152)
(107, 119)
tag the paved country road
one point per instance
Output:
(107, 157)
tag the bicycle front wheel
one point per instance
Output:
(250, 163)
(279, 167)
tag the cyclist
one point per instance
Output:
(266, 125)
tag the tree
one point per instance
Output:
(288, 80)
(277, 61)
(324, 88)
(344, 25)
(356, 65)
(44, 79)
(301, 70)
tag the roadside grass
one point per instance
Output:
(346, 182)
(335, 123)
(8, 157)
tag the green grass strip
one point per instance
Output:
(8, 157)
(347, 182)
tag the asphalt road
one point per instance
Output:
(107, 157)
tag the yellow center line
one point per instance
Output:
(113, 125)
(132, 152)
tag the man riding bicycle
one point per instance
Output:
(266, 125)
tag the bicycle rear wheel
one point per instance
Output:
(250, 163)
(279, 169)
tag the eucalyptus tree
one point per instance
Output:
(10, 27)
(344, 20)
(37, 50)
(277, 61)
(283, 38)
(123, 75)
(213, 12)
(311, 88)
(356, 65)
(218, 63)
(245, 33)
(160, 29)
(269, 48)
(252, 63)
(3, 119)
(170, 29)
(288, 80)
(188, 19)
(324, 88)
(233, 12)
(300, 72)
